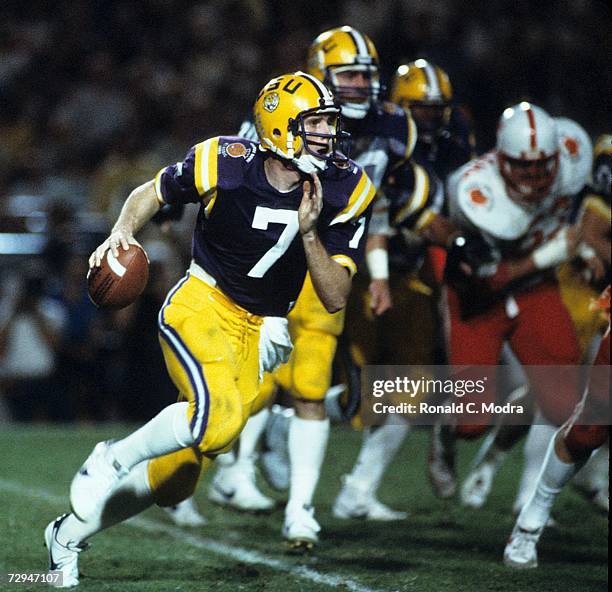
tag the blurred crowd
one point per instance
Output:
(96, 96)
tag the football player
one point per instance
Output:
(445, 137)
(269, 211)
(568, 451)
(414, 190)
(580, 281)
(382, 135)
(512, 205)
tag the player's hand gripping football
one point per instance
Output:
(118, 237)
(310, 206)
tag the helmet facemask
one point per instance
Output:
(529, 179)
(317, 150)
(355, 100)
(431, 118)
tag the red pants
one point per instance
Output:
(539, 330)
(585, 431)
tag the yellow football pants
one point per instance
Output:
(404, 335)
(211, 350)
(314, 332)
(577, 295)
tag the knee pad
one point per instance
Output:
(173, 477)
(583, 439)
(227, 417)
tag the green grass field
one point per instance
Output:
(441, 547)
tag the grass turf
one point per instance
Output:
(440, 547)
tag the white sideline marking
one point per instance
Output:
(232, 552)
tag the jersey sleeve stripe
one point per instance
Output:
(412, 136)
(158, 191)
(424, 220)
(597, 205)
(347, 262)
(418, 199)
(206, 165)
(358, 202)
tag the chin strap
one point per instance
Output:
(355, 110)
(309, 164)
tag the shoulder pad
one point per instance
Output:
(477, 193)
(237, 147)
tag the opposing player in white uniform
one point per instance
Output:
(512, 205)
(580, 280)
(586, 431)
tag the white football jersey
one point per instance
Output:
(478, 199)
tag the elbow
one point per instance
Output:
(335, 304)
(332, 308)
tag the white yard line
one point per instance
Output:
(229, 551)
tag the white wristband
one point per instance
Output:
(585, 251)
(553, 252)
(377, 261)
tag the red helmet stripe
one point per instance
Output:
(532, 125)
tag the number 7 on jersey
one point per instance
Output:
(263, 217)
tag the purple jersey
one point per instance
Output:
(247, 236)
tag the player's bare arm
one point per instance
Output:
(378, 265)
(331, 281)
(548, 255)
(141, 205)
(595, 231)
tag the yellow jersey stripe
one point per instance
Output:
(157, 185)
(360, 199)
(210, 205)
(597, 206)
(412, 136)
(205, 170)
(418, 199)
(347, 262)
(424, 220)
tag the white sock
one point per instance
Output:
(536, 445)
(251, 434)
(594, 475)
(554, 475)
(378, 448)
(132, 496)
(307, 445)
(167, 432)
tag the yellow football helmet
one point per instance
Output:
(346, 50)
(425, 89)
(279, 113)
(602, 165)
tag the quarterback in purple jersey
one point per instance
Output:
(225, 243)
(269, 212)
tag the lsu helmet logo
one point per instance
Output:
(271, 101)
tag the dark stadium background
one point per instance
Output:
(96, 96)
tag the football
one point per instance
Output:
(119, 280)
